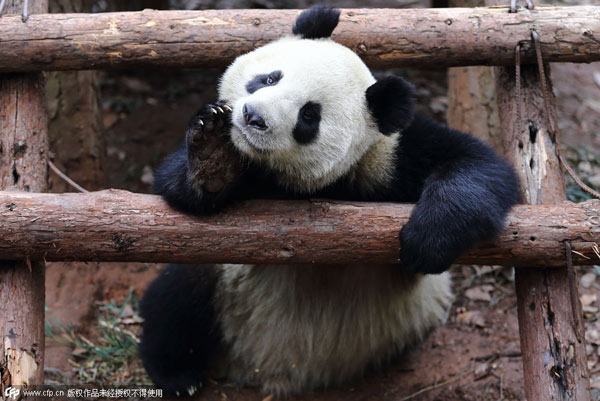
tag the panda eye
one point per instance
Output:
(273, 78)
(308, 114)
(261, 81)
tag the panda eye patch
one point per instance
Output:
(307, 124)
(263, 80)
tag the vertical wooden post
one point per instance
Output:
(23, 166)
(550, 321)
(472, 105)
(75, 130)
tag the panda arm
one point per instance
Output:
(463, 191)
(172, 182)
(205, 173)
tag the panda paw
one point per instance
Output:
(212, 119)
(424, 251)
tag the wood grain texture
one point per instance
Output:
(472, 105)
(530, 145)
(23, 155)
(550, 319)
(23, 132)
(116, 225)
(213, 38)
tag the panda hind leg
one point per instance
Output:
(180, 335)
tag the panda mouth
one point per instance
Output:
(253, 137)
(245, 136)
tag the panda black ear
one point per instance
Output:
(316, 22)
(391, 101)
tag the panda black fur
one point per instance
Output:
(313, 122)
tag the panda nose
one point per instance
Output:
(252, 118)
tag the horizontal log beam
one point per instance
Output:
(213, 38)
(115, 225)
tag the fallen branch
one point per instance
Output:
(116, 225)
(437, 385)
(497, 355)
(213, 38)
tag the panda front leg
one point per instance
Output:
(180, 338)
(205, 172)
(180, 335)
(464, 200)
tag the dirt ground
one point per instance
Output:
(475, 356)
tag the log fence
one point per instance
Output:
(213, 38)
(116, 225)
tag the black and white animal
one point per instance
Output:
(312, 121)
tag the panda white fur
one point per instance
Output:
(311, 120)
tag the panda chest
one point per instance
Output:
(312, 317)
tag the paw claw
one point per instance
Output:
(212, 119)
(227, 107)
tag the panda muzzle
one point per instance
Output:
(252, 118)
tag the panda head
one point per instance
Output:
(308, 108)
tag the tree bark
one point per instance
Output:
(116, 225)
(472, 105)
(382, 37)
(75, 120)
(23, 155)
(550, 319)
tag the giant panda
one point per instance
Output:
(310, 120)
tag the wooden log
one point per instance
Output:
(23, 155)
(115, 225)
(550, 320)
(213, 38)
(472, 105)
(75, 126)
